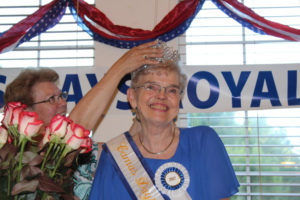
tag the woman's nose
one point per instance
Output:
(162, 93)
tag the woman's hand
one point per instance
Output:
(138, 56)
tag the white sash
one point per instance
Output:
(132, 169)
(171, 178)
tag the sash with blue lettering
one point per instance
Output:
(131, 171)
(172, 179)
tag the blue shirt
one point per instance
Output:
(200, 151)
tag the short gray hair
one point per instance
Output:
(169, 66)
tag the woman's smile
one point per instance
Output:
(159, 107)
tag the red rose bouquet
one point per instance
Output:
(31, 169)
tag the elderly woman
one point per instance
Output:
(163, 161)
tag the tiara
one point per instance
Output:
(169, 55)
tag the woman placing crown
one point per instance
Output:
(163, 161)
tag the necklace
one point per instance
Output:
(158, 153)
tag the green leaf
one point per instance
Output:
(27, 156)
(29, 172)
(70, 158)
(46, 184)
(36, 160)
(25, 186)
(8, 150)
(4, 165)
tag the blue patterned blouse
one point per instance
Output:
(84, 175)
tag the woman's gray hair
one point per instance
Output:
(169, 66)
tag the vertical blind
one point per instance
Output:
(64, 45)
(263, 145)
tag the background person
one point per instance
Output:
(190, 163)
(38, 89)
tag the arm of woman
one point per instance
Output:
(90, 108)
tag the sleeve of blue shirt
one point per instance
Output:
(222, 180)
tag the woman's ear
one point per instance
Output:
(131, 96)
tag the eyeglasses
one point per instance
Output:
(154, 88)
(55, 98)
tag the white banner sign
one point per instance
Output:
(209, 89)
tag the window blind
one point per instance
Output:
(64, 45)
(216, 39)
(264, 148)
(263, 145)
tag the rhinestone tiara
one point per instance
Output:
(169, 55)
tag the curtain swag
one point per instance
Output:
(101, 29)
